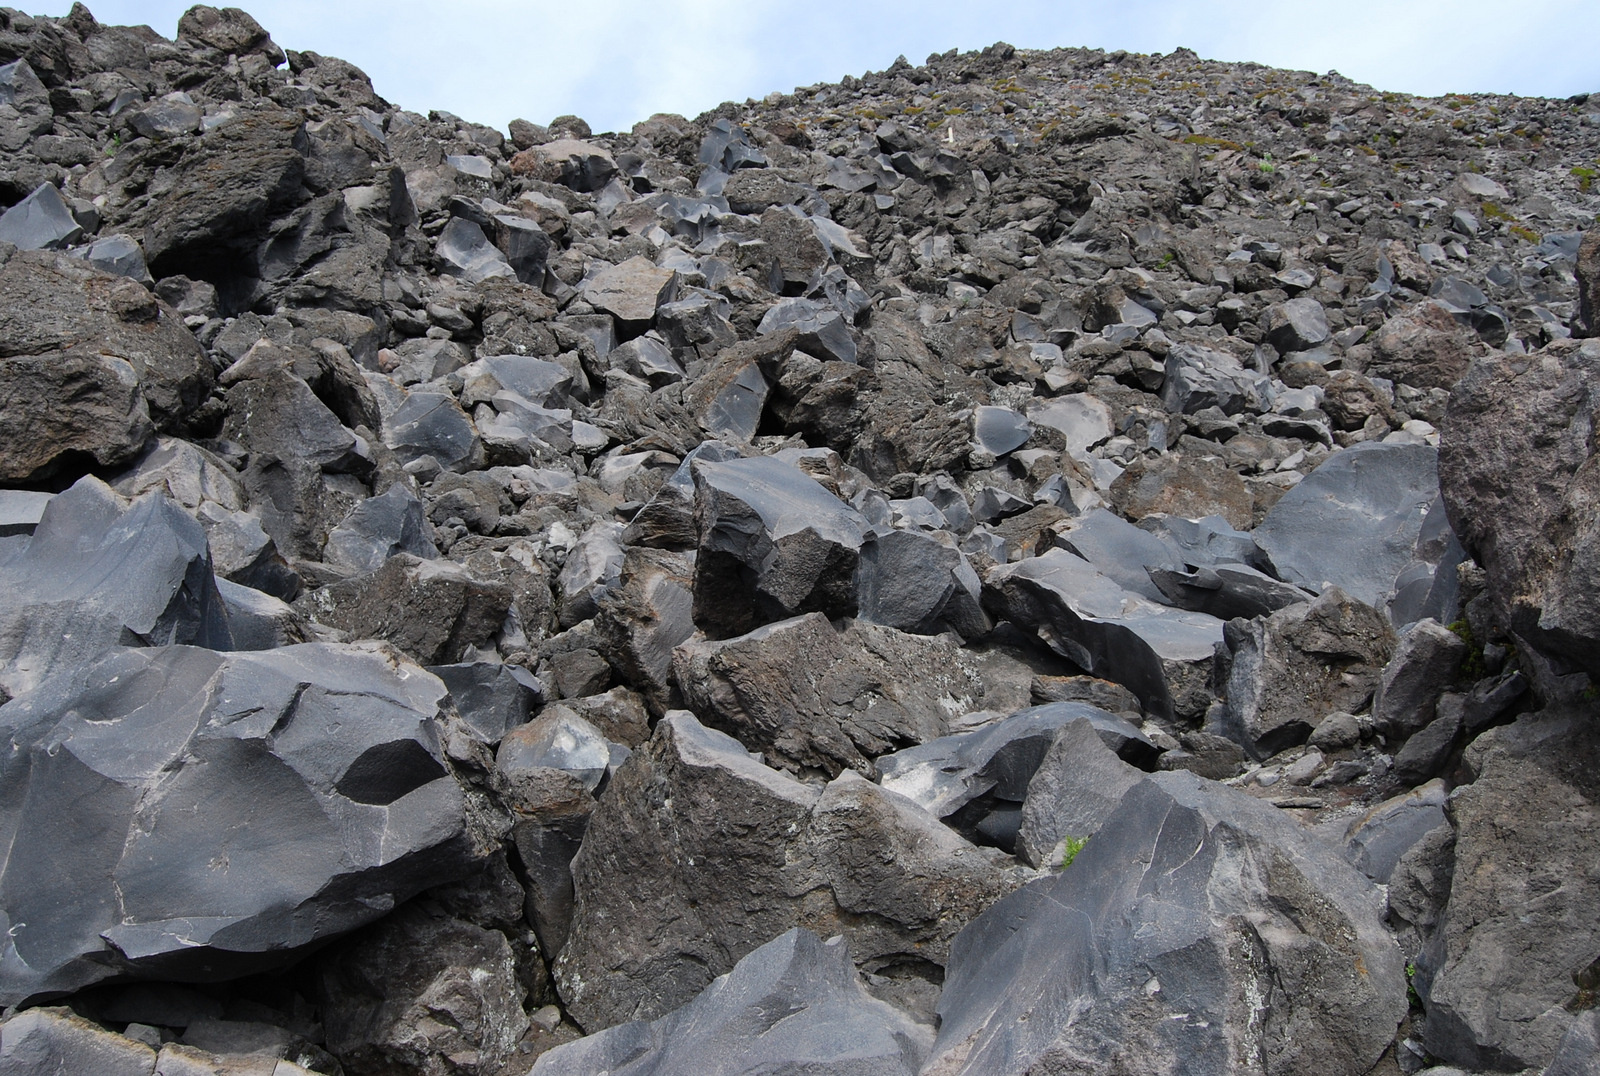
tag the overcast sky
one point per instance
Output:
(615, 62)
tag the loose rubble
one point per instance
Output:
(1033, 562)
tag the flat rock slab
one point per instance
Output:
(179, 813)
(794, 1006)
(1199, 931)
(1154, 651)
(1354, 521)
(631, 291)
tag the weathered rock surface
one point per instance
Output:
(697, 852)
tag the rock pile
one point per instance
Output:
(1034, 562)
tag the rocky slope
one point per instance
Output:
(1039, 562)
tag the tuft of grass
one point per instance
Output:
(1073, 845)
(1585, 177)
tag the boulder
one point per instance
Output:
(41, 221)
(1355, 520)
(216, 814)
(647, 613)
(1227, 591)
(1297, 325)
(1192, 486)
(1516, 474)
(1499, 977)
(48, 1041)
(795, 1005)
(99, 572)
(431, 423)
(1162, 655)
(1075, 789)
(1199, 377)
(1424, 347)
(420, 987)
(1588, 273)
(814, 699)
(1424, 664)
(1288, 672)
(1199, 931)
(698, 854)
(492, 698)
(432, 610)
(631, 291)
(920, 582)
(773, 544)
(377, 529)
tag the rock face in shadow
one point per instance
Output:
(175, 812)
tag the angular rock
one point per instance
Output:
(1378, 840)
(492, 698)
(100, 572)
(631, 291)
(920, 582)
(1083, 420)
(1199, 377)
(1189, 486)
(813, 699)
(1497, 977)
(57, 1040)
(41, 221)
(1515, 470)
(1424, 347)
(819, 330)
(420, 987)
(1227, 591)
(794, 1005)
(999, 430)
(1160, 654)
(1075, 789)
(215, 814)
(1298, 325)
(698, 854)
(1355, 520)
(1199, 931)
(1425, 663)
(644, 617)
(466, 252)
(378, 529)
(557, 739)
(1289, 671)
(773, 544)
(431, 423)
(432, 610)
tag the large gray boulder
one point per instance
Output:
(100, 572)
(1075, 789)
(1200, 931)
(1354, 521)
(698, 854)
(175, 812)
(773, 543)
(1500, 975)
(920, 582)
(1515, 468)
(814, 699)
(1161, 654)
(49, 1041)
(793, 1007)
(1287, 672)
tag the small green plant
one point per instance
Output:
(1411, 989)
(1585, 177)
(1071, 846)
(1472, 668)
(1266, 164)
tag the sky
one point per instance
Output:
(616, 62)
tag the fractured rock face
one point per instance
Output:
(178, 812)
(698, 852)
(795, 1004)
(773, 543)
(1198, 930)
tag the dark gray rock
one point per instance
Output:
(920, 582)
(1298, 325)
(27, 102)
(1227, 591)
(820, 331)
(539, 381)
(20, 511)
(1498, 975)
(48, 1041)
(973, 780)
(773, 543)
(644, 617)
(557, 739)
(1579, 1052)
(1118, 550)
(1192, 486)
(815, 699)
(795, 1005)
(1354, 521)
(119, 255)
(1288, 672)
(378, 529)
(432, 610)
(465, 252)
(1377, 841)
(1199, 377)
(1514, 470)
(1078, 784)
(431, 423)
(1426, 661)
(259, 621)
(1208, 542)
(417, 988)
(698, 854)
(593, 566)
(41, 221)
(491, 698)
(631, 291)
(999, 430)
(1170, 944)
(222, 811)
(100, 572)
(551, 810)
(1161, 654)
(170, 116)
